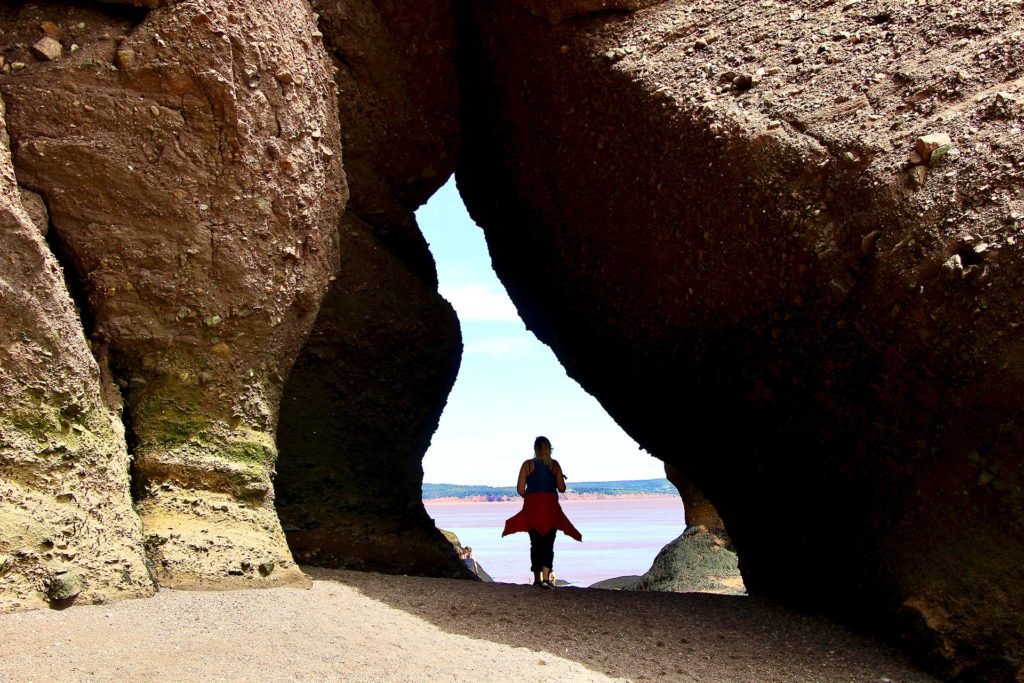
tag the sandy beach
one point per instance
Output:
(355, 626)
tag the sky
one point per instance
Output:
(511, 387)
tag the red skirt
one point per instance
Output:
(542, 512)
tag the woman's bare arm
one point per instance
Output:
(521, 484)
(559, 478)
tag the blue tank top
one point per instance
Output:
(542, 479)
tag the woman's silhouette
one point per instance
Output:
(540, 480)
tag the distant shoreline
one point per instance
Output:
(449, 500)
(578, 490)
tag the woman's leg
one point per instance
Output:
(546, 553)
(535, 555)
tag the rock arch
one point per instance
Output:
(716, 215)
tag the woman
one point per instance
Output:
(540, 480)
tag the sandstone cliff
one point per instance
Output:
(780, 242)
(359, 409)
(190, 160)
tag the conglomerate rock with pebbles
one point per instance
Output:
(781, 243)
(67, 528)
(190, 160)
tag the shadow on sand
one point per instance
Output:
(637, 635)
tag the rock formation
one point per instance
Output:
(780, 242)
(702, 559)
(359, 409)
(399, 107)
(731, 223)
(67, 528)
(189, 157)
(698, 509)
(367, 392)
(696, 562)
(462, 551)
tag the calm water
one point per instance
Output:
(621, 536)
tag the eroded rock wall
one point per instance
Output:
(190, 160)
(368, 390)
(67, 528)
(712, 214)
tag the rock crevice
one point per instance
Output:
(67, 528)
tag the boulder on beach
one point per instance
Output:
(698, 561)
(460, 550)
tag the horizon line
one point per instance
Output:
(506, 486)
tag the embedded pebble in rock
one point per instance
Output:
(926, 145)
(918, 175)
(1013, 104)
(35, 207)
(63, 587)
(125, 58)
(48, 49)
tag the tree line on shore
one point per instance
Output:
(645, 487)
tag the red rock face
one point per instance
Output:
(151, 4)
(712, 215)
(398, 101)
(190, 161)
(556, 11)
(67, 528)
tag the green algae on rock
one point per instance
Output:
(65, 508)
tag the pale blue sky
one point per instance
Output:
(511, 387)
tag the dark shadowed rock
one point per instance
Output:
(64, 495)
(556, 11)
(151, 4)
(367, 391)
(359, 408)
(698, 509)
(752, 284)
(196, 196)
